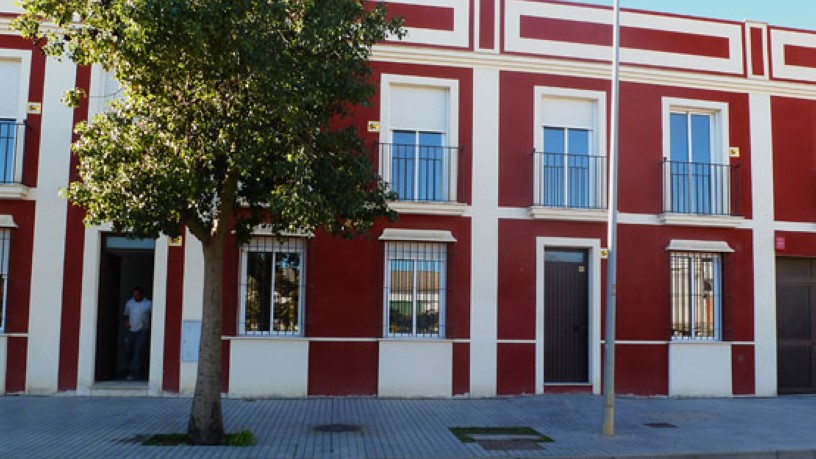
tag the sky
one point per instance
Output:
(799, 14)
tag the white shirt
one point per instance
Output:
(138, 313)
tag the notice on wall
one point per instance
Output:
(190, 338)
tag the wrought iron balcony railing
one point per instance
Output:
(421, 173)
(700, 188)
(569, 181)
(12, 141)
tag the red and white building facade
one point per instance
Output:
(491, 121)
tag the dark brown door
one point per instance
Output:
(796, 325)
(566, 316)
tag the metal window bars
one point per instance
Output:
(700, 188)
(415, 289)
(273, 286)
(570, 181)
(696, 296)
(422, 173)
(12, 141)
(5, 245)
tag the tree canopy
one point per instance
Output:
(224, 103)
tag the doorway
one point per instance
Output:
(566, 316)
(125, 263)
(796, 325)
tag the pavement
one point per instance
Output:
(111, 427)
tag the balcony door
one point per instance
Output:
(697, 176)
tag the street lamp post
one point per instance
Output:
(612, 237)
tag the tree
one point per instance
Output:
(231, 116)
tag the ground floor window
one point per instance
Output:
(696, 295)
(273, 286)
(415, 278)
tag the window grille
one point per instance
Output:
(5, 243)
(415, 289)
(696, 293)
(11, 142)
(273, 280)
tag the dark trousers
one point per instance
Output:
(137, 342)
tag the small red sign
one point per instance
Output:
(780, 243)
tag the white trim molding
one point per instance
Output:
(572, 215)
(453, 209)
(593, 247)
(716, 221)
(780, 39)
(458, 37)
(411, 235)
(7, 221)
(683, 245)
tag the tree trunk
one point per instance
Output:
(206, 426)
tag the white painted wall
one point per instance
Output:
(275, 367)
(415, 369)
(192, 302)
(88, 309)
(485, 234)
(3, 360)
(157, 318)
(764, 248)
(700, 369)
(49, 231)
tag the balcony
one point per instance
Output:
(12, 142)
(701, 192)
(425, 178)
(569, 186)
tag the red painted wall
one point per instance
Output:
(515, 366)
(743, 370)
(172, 319)
(794, 158)
(72, 269)
(343, 368)
(461, 368)
(19, 290)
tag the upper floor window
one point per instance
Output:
(570, 157)
(419, 157)
(697, 173)
(12, 128)
(273, 286)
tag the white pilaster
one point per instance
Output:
(158, 316)
(192, 302)
(42, 366)
(764, 250)
(485, 237)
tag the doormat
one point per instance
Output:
(502, 438)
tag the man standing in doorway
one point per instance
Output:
(137, 321)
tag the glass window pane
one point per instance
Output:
(401, 297)
(429, 290)
(258, 291)
(554, 140)
(432, 173)
(679, 137)
(8, 134)
(680, 294)
(287, 292)
(701, 138)
(403, 163)
(578, 142)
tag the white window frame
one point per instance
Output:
(291, 245)
(720, 142)
(23, 59)
(597, 128)
(450, 138)
(440, 256)
(718, 296)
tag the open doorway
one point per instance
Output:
(125, 263)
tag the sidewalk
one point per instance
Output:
(43, 427)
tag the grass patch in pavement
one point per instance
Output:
(239, 439)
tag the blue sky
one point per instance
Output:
(789, 13)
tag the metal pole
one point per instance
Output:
(612, 237)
